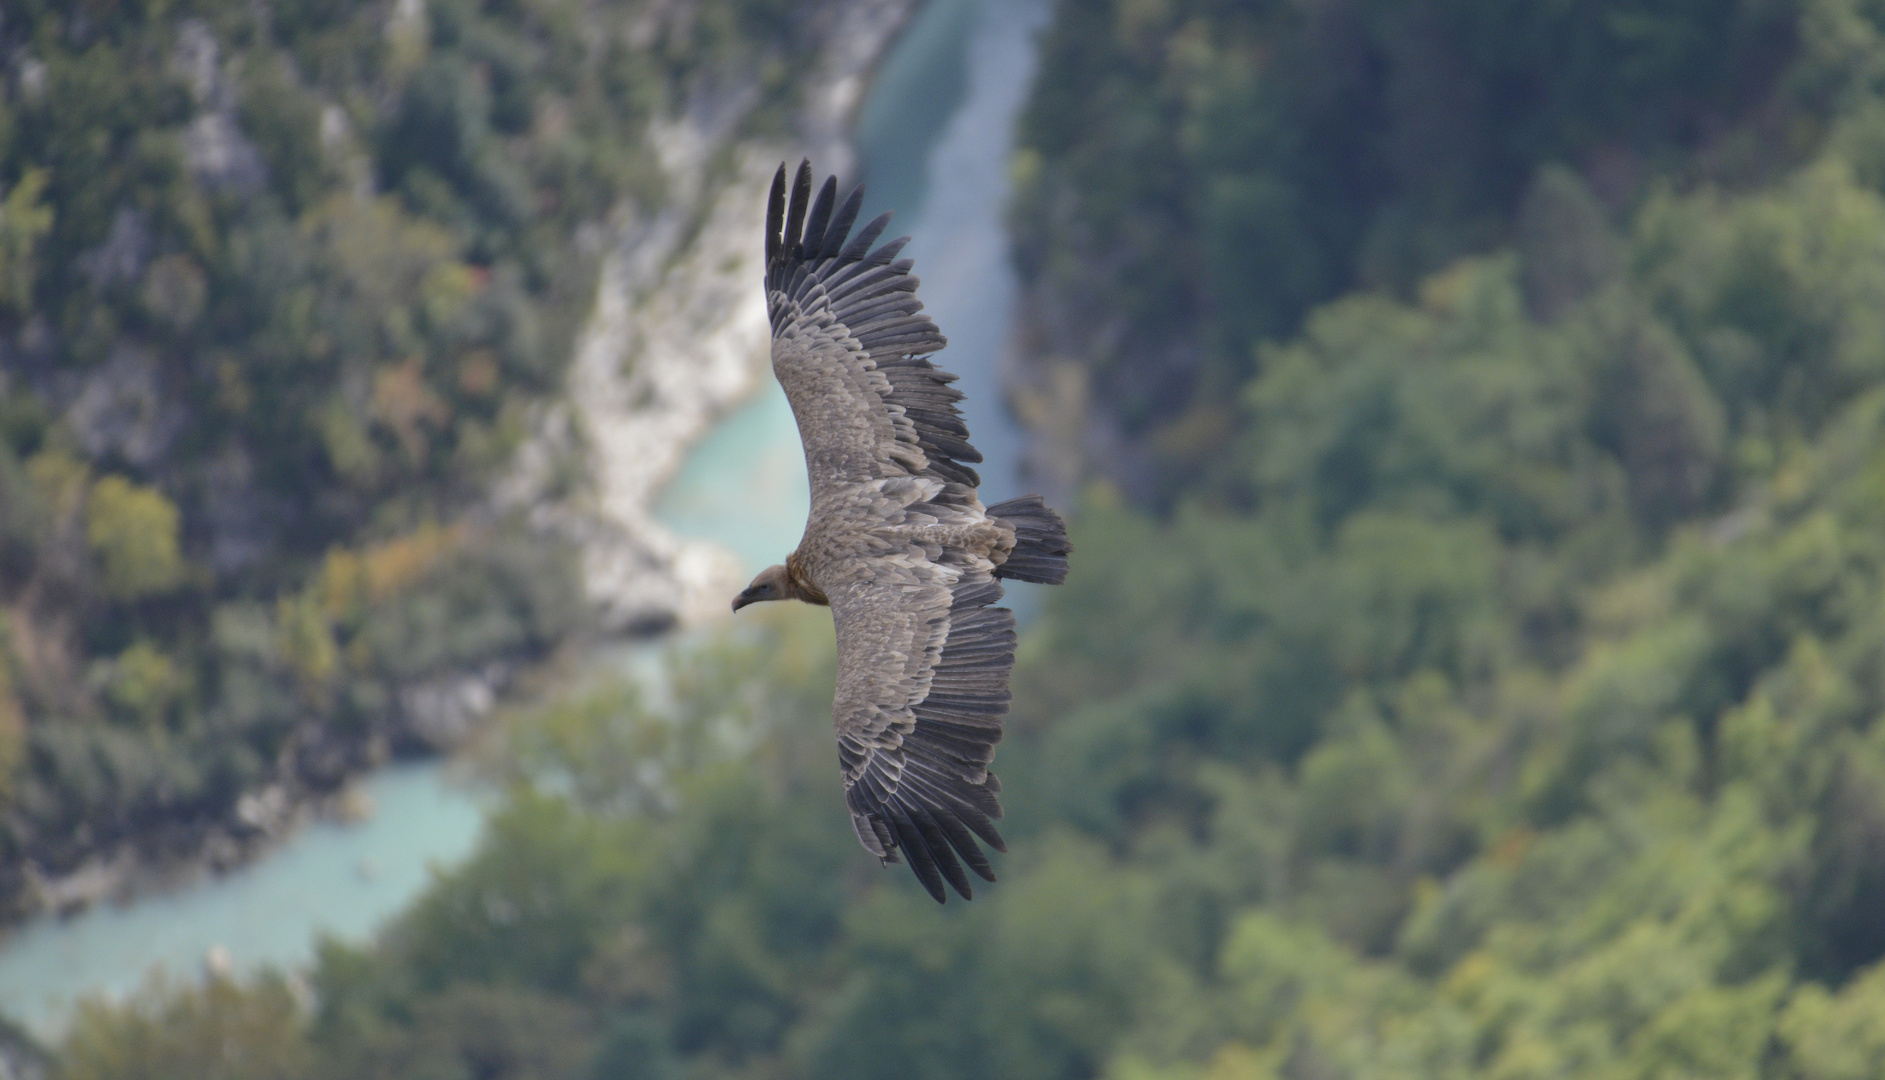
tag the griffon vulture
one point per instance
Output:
(897, 544)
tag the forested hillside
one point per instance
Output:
(1196, 176)
(1489, 686)
(280, 286)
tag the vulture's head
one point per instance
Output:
(773, 583)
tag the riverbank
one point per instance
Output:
(343, 875)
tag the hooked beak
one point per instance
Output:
(743, 599)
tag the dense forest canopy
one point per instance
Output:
(1491, 687)
(1222, 167)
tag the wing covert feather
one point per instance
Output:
(845, 317)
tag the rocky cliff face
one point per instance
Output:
(679, 333)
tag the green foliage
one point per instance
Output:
(1196, 176)
(1500, 698)
(133, 531)
(24, 220)
(219, 1031)
(1836, 1036)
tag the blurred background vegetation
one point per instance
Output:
(1474, 667)
(280, 285)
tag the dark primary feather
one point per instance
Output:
(775, 217)
(874, 295)
(821, 216)
(795, 213)
(847, 216)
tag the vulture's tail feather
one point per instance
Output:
(1040, 541)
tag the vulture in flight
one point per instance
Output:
(897, 544)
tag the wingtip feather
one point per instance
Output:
(841, 225)
(820, 217)
(911, 842)
(795, 213)
(775, 216)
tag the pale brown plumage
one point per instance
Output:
(897, 542)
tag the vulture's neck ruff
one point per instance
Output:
(799, 584)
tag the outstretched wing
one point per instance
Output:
(923, 665)
(850, 345)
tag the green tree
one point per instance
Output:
(218, 1031)
(24, 222)
(133, 531)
